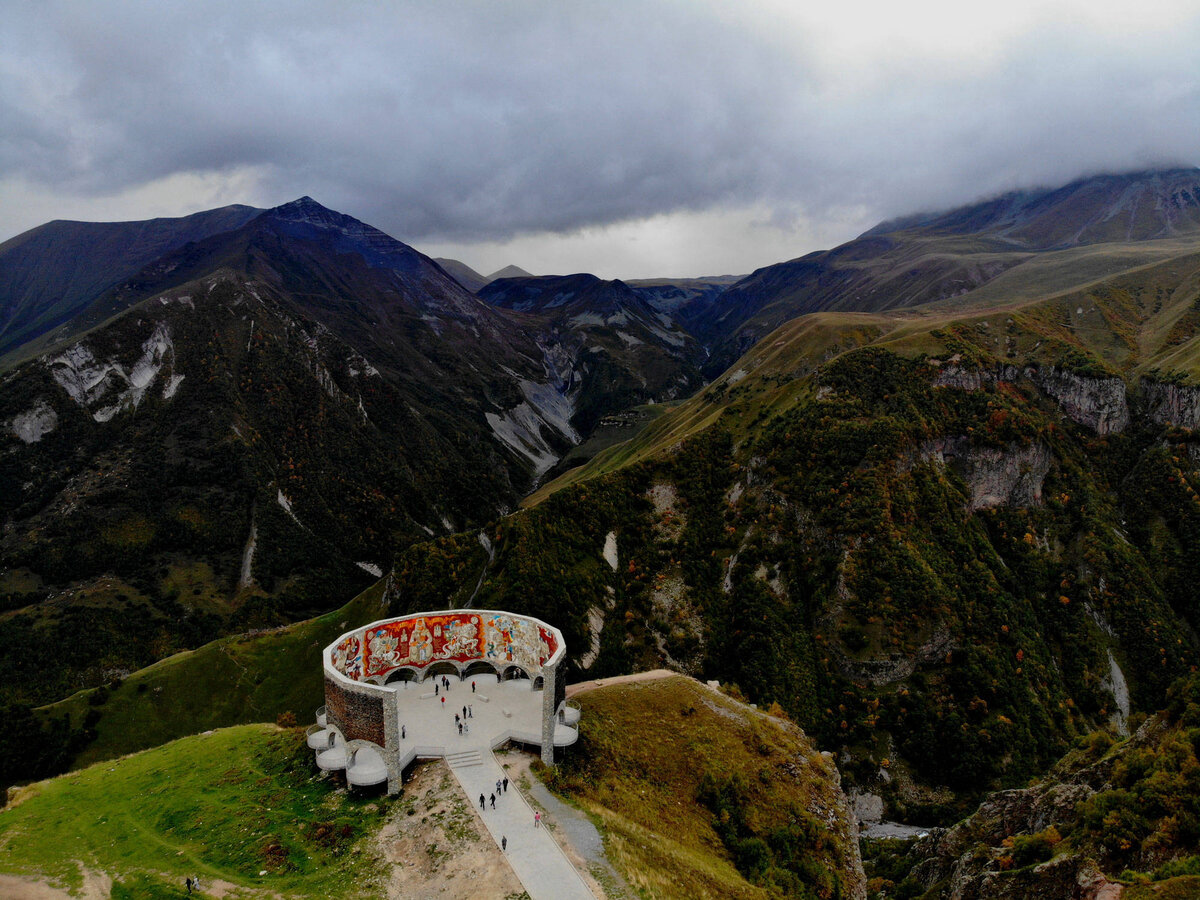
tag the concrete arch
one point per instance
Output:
(352, 748)
(480, 667)
(513, 671)
(404, 673)
(442, 667)
(538, 683)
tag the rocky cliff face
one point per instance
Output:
(1171, 404)
(1100, 404)
(1012, 476)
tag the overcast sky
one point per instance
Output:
(625, 139)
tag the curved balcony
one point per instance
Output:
(365, 767)
(335, 757)
(569, 713)
(318, 737)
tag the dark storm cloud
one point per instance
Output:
(484, 120)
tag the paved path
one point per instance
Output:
(497, 710)
(532, 852)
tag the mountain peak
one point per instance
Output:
(306, 209)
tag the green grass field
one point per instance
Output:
(242, 805)
(234, 680)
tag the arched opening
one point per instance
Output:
(404, 673)
(441, 668)
(539, 683)
(480, 667)
(512, 673)
(366, 765)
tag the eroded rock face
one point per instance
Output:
(1012, 476)
(1171, 404)
(1096, 403)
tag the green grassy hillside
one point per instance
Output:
(233, 680)
(241, 805)
(699, 796)
(722, 802)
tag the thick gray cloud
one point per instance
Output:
(452, 124)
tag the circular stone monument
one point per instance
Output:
(387, 683)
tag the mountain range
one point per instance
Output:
(931, 493)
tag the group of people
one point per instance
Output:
(468, 712)
(501, 789)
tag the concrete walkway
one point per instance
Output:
(499, 710)
(533, 853)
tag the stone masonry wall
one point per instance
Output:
(356, 712)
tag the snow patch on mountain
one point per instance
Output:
(33, 424)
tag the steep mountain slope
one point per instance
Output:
(624, 350)
(279, 408)
(1108, 812)
(946, 544)
(49, 276)
(1019, 246)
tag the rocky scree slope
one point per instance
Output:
(621, 350)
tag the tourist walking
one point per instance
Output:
(435, 689)
(506, 784)
(464, 712)
(481, 801)
(493, 801)
(188, 884)
(503, 842)
(459, 727)
(470, 711)
(537, 820)
(497, 785)
(472, 687)
(456, 719)
(443, 703)
(403, 732)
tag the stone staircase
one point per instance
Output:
(464, 759)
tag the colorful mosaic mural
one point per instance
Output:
(458, 637)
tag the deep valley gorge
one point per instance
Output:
(928, 500)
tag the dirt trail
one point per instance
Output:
(437, 847)
(583, 687)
